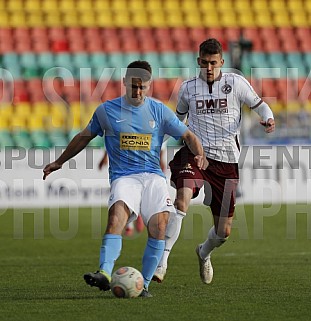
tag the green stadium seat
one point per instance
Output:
(40, 139)
(6, 139)
(154, 59)
(58, 138)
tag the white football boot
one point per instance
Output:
(206, 268)
(159, 274)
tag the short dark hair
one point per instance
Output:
(139, 69)
(210, 46)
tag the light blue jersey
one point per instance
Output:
(134, 135)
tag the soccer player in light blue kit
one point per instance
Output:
(133, 126)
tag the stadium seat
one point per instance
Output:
(246, 19)
(300, 19)
(228, 18)
(101, 5)
(50, 6)
(139, 18)
(192, 18)
(210, 18)
(35, 19)
(263, 19)
(104, 19)
(4, 19)
(67, 6)
(174, 19)
(157, 19)
(281, 18)
(71, 19)
(87, 19)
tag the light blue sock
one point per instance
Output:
(109, 252)
(152, 255)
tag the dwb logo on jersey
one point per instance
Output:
(212, 106)
(129, 141)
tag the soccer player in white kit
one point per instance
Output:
(133, 126)
(212, 102)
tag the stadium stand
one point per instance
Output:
(60, 58)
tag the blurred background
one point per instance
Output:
(59, 59)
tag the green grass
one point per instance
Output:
(261, 273)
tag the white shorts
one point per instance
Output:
(145, 193)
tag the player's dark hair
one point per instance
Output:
(139, 69)
(210, 46)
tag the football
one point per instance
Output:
(127, 282)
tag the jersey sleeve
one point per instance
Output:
(248, 94)
(172, 125)
(182, 103)
(94, 125)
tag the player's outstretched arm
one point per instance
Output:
(78, 143)
(196, 149)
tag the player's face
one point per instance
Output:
(136, 90)
(210, 66)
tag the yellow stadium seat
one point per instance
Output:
(76, 113)
(210, 19)
(87, 19)
(189, 5)
(260, 5)
(263, 19)
(171, 5)
(2, 5)
(4, 19)
(293, 106)
(35, 122)
(122, 18)
(307, 6)
(174, 19)
(100, 5)
(299, 19)
(84, 5)
(158, 19)
(277, 5)
(228, 18)
(140, 18)
(18, 19)
(192, 18)
(41, 109)
(138, 5)
(16, 5)
(276, 107)
(224, 5)
(118, 5)
(242, 6)
(35, 19)
(104, 19)
(18, 122)
(49, 6)
(206, 6)
(23, 109)
(67, 5)
(307, 105)
(297, 5)
(71, 19)
(246, 19)
(32, 5)
(53, 19)
(281, 19)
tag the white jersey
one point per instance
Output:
(214, 112)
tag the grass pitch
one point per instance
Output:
(261, 273)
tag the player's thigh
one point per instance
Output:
(155, 198)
